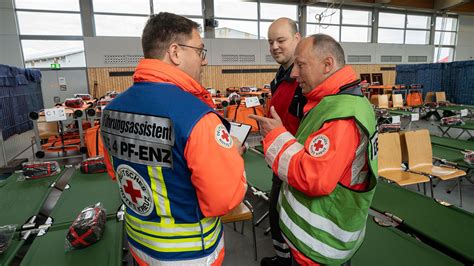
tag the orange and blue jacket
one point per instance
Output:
(203, 151)
(319, 175)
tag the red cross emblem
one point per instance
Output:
(318, 145)
(225, 135)
(134, 193)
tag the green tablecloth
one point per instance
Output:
(451, 155)
(449, 227)
(85, 190)
(49, 249)
(389, 246)
(259, 175)
(21, 199)
(453, 143)
(9, 254)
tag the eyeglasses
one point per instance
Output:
(202, 52)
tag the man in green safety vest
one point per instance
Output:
(329, 168)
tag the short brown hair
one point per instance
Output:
(163, 29)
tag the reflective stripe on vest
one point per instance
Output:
(312, 242)
(207, 260)
(174, 244)
(318, 221)
(160, 194)
(329, 229)
(163, 229)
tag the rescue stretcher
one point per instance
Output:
(48, 249)
(68, 135)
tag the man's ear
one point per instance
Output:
(298, 36)
(329, 64)
(174, 54)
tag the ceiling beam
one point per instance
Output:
(448, 4)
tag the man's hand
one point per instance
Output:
(267, 124)
(240, 148)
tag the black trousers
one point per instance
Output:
(279, 244)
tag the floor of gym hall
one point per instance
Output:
(239, 247)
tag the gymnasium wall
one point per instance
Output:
(103, 79)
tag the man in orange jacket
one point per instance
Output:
(176, 164)
(329, 168)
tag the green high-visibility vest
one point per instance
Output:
(329, 229)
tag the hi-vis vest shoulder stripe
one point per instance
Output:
(329, 229)
(164, 222)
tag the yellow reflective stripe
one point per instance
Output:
(176, 230)
(173, 245)
(160, 194)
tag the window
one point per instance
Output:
(274, 11)
(443, 54)
(110, 25)
(42, 23)
(418, 22)
(356, 26)
(345, 25)
(237, 29)
(323, 15)
(182, 7)
(43, 53)
(390, 36)
(235, 9)
(391, 20)
(446, 23)
(323, 20)
(355, 34)
(270, 12)
(56, 5)
(404, 28)
(417, 37)
(332, 31)
(237, 19)
(445, 38)
(50, 33)
(356, 17)
(122, 6)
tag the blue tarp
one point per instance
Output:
(20, 93)
(456, 79)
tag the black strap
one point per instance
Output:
(97, 143)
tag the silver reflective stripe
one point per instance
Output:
(318, 221)
(175, 229)
(144, 127)
(208, 260)
(283, 254)
(285, 159)
(280, 245)
(358, 176)
(276, 146)
(311, 242)
(138, 151)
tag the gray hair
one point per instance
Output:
(326, 45)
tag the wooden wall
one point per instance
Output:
(212, 77)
